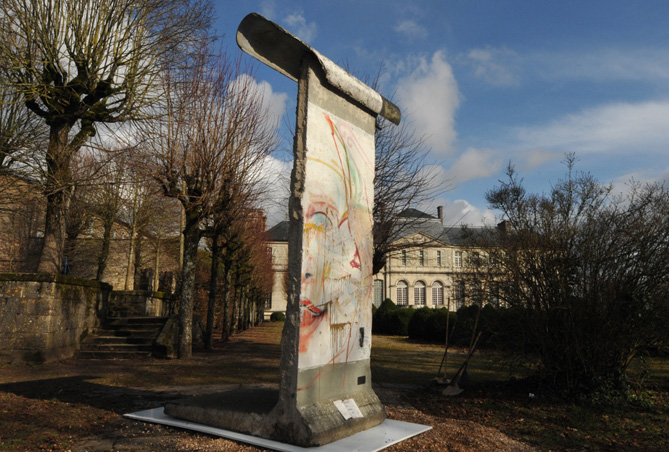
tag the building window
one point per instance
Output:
(438, 258)
(123, 235)
(402, 294)
(404, 258)
(421, 258)
(270, 253)
(437, 294)
(457, 260)
(459, 294)
(475, 259)
(268, 302)
(419, 294)
(378, 292)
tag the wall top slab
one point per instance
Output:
(279, 49)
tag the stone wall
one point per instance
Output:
(45, 317)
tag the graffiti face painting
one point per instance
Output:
(336, 285)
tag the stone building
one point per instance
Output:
(431, 265)
(22, 212)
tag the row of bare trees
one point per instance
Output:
(106, 100)
(207, 151)
(142, 77)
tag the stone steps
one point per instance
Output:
(123, 338)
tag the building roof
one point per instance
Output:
(413, 221)
(278, 232)
(414, 213)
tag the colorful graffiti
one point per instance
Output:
(336, 285)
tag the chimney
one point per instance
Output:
(440, 214)
(504, 226)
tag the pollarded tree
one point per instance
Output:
(214, 124)
(76, 64)
(590, 273)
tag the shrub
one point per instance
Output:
(277, 316)
(381, 318)
(399, 321)
(435, 327)
(465, 318)
(590, 271)
(418, 323)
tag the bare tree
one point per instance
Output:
(212, 123)
(402, 179)
(589, 273)
(107, 201)
(21, 131)
(235, 210)
(75, 64)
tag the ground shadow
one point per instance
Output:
(82, 390)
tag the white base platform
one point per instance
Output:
(377, 438)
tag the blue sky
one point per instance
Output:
(491, 82)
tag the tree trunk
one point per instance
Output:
(235, 309)
(211, 305)
(182, 238)
(104, 252)
(191, 240)
(58, 191)
(129, 272)
(247, 317)
(156, 266)
(226, 302)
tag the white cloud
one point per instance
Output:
(619, 127)
(430, 96)
(276, 176)
(411, 29)
(273, 103)
(458, 212)
(474, 164)
(299, 26)
(268, 8)
(660, 175)
(533, 158)
(494, 66)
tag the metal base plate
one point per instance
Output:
(377, 438)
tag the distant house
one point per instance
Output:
(277, 248)
(22, 212)
(431, 265)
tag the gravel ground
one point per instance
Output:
(448, 435)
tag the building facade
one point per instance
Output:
(131, 264)
(430, 265)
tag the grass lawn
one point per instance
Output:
(547, 423)
(52, 406)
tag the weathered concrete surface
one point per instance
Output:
(44, 317)
(243, 410)
(316, 374)
(274, 46)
